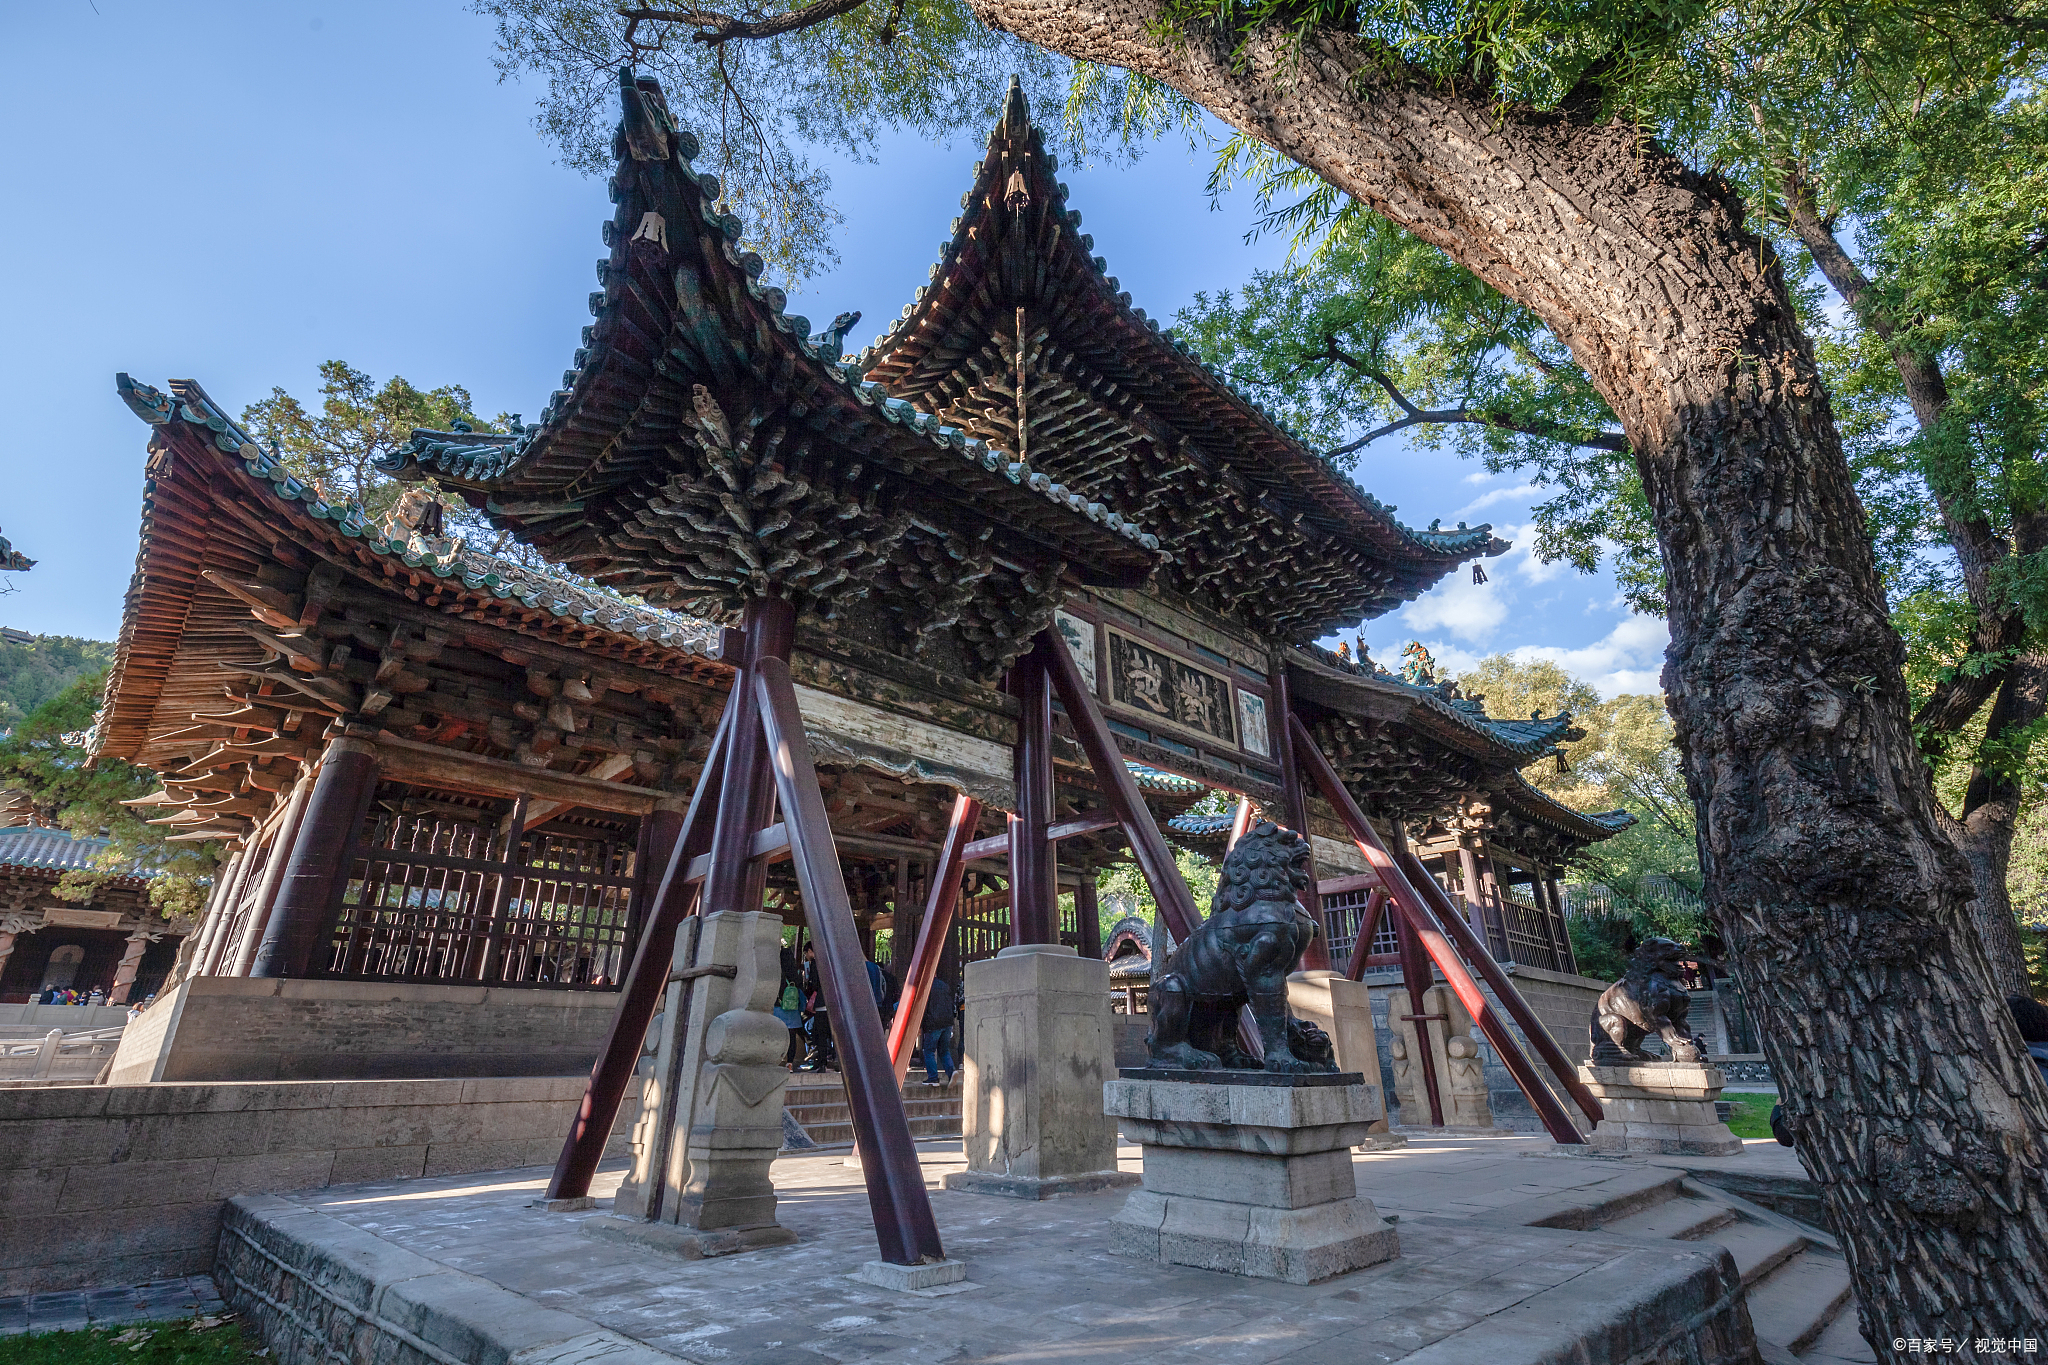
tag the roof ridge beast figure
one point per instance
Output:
(1241, 955)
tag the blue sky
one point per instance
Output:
(235, 192)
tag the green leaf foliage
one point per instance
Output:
(842, 79)
(34, 671)
(46, 758)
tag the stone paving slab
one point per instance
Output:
(1047, 1287)
(77, 1309)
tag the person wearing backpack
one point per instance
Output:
(789, 1007)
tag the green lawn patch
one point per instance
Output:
(1752, 1116)
(194, 1341)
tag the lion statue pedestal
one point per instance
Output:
(1653, 1105)
(1662, 1107)
(1249, 1173)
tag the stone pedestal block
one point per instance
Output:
(1664, 1107)
(1342, 1008)
(1250, 1173)
(1038, 1049)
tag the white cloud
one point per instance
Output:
(1464, 608)
(1629, 658)
(1477, 477)
(1520, 493)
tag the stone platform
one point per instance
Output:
(467, 1267)
(1249, 1172)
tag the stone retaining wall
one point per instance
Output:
(218, 1028)
(124, 1184)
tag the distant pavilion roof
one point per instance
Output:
(54, 850)
(1259, 524)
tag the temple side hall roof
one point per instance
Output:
(1260, 526)
(223, 677)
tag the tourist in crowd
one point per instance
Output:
(2032, 1017)
(878, 982)
(817, 1017)
(789, 1007)
(935, 1035)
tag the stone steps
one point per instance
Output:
(1759, 1250)
(817, 1101)
(1800, 1299)
(1842, 1343)
(1681, 1219)
(1798, 1290)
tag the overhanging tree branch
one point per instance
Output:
(713, 28)
(1412, 415)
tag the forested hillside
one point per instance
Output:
(34, 670)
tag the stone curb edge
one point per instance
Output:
(318, 1290)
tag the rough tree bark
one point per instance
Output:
(1832, 882)
(1984, 828)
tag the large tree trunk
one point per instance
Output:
(1843, 903)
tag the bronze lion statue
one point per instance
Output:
(1648, 999)
(1241, 956)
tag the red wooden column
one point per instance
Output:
(1468, 876)
(1088, 914)
(934, 931)
(318, 861)
(1417, 977)
(1119, 791)
(1034, 888)
(736, 881)
(1294, 804)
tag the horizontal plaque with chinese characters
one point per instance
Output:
(1170, 691)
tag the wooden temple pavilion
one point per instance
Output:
(1026, 556)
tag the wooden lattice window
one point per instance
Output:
(438, 893)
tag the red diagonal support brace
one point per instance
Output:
(1468, 943)
(1368, 927)
(645, 982)
(1120, 793)
(940, 904)
(896, 1194)
(1422, 914)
